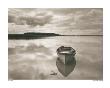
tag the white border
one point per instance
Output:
(5, 4)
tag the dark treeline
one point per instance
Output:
(33, 35)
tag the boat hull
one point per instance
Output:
(66, 58)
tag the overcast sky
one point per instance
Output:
(63, 21)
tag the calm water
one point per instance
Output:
(36, 59)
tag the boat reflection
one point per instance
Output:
(65, 69)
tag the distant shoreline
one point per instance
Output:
(33, 35)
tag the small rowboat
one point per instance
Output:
(66, 54)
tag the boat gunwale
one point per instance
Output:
(70, 49)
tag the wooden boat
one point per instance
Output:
(66, 54)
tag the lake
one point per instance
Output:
(36, 59)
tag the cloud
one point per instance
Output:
(77, 19)
(81, 19)
(92, 19)
(28, 17)
(55, 20)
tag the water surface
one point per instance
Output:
(36, 59)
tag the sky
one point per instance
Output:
(56, 20)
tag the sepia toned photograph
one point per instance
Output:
(55, 44)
